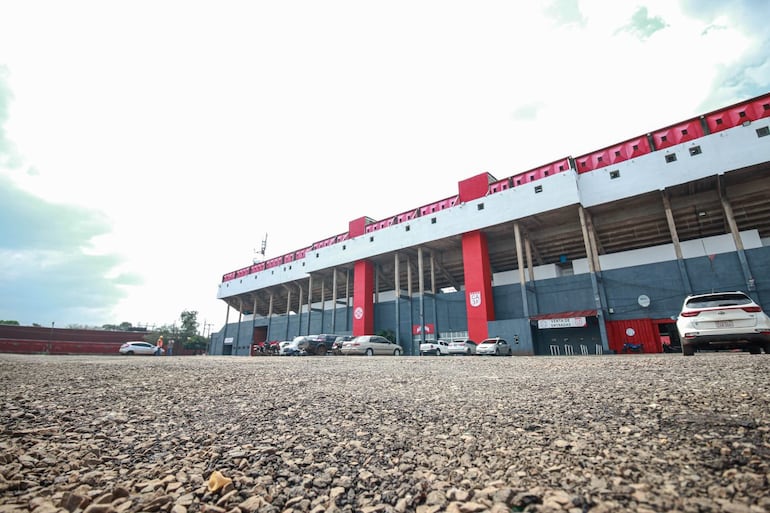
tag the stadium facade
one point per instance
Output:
(584, 255)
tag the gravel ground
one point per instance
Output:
(385, 434)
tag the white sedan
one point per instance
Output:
(138, 347)
(466, 347)
(723, 320)
(494, 346)
(371, 345)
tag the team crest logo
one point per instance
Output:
(475, 298)
(358, 313)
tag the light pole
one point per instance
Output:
(50, 339)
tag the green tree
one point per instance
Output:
(189, 323)
(197, 343)
(389, 334)
(10, 323)
(186, 336)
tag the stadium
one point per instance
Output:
(591, 254)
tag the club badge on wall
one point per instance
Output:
(475, 298)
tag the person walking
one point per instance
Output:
(170, 349)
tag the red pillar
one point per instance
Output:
(363, 298)
(479, 303)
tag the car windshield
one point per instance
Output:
(717, 300)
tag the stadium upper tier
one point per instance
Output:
(588, 175)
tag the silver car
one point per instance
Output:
(494, 346)
(723, 320)
(467, 347)
(370, 345)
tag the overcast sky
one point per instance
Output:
(147, 147)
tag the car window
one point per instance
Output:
(717, 300)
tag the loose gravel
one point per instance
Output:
(332, 434)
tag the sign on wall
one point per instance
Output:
(568, 322)
(429, 329)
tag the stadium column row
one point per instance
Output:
(479, 302)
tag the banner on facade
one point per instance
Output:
(429, 329)
(228, 340)
(568, 322)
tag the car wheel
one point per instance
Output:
(688, 350)
(438, 352)
(397, 352)
(129, 353)
(321, 350)
(370, 352)
(497, 352)
(755, 350)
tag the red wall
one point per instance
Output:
(645, 333)
(35, 339)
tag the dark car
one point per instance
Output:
(337, 344)
(317, 344)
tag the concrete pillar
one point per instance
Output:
(363, 294)
(479, 302)
(520, 264)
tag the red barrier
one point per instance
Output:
(629, 149)
(677, 134)
(438, 206)
(555, 167)
(499, 186)
(406, 216)
(739, 114)
(273, 262)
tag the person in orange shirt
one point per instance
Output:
(159, 345)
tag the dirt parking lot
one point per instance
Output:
(326, 434)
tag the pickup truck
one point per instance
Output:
(436, 347)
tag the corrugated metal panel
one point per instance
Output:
(645, 332)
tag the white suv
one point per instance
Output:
(723, 320)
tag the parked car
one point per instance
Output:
(317, 344)
(131, 348)
(467, 347)
(290, 347)
(723, 320)
(494, 346)
(436, 347)
(371, 345)
(337, 344)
